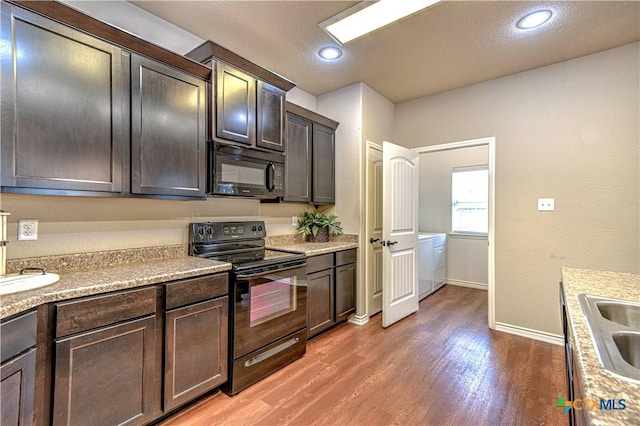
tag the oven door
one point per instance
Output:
(267, 307)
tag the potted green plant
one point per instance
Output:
(315, 227)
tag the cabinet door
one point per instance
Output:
(323, 165)
(298, 160)
(168, 132)
(106, 376)
(346, 279)
(235, 105)
(271, 115)
(64, 107)
(320, 302)
(17, 388)
(196, 350)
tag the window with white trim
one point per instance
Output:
(470, 200)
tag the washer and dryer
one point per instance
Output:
(432, 262)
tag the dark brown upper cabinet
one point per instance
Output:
(271, 117)
(64, 107)
(246, 107)
(299, 159)
(250, 101)
(235, 105)
(168, 131)
(324, 164)
(83, 116)
(310, 160)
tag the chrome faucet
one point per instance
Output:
(3, 244)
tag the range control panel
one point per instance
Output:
(213, 232)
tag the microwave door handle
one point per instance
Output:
(271, 170)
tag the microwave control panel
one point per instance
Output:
(278, 180)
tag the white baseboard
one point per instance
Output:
(359, 320)
(470, 284)
(543, 336)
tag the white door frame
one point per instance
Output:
(490, 142)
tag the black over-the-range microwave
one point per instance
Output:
(244, 172)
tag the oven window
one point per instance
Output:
(271, 299)
(241, 174)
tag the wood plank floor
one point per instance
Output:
(441, 366)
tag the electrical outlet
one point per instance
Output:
(294, 220)
(545, 204)
(28, 229)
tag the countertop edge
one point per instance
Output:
(104, 280)
(316, 249)
(595, 381)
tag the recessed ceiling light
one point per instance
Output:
(368, 16)
(330, 53)
(534, 19)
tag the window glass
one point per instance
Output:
(470, 199)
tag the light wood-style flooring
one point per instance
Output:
(440, 366)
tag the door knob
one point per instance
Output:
(390, 243)
(373, 240)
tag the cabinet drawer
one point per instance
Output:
(439, 257)
(187, 292)
(18, 335)
(91, 312)
(346, 256)
(318, 263)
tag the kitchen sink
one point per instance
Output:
(628, 345)
(615, 330)
(622, 313)
(23, 282)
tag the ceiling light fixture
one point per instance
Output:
(534, 19)
(368, 16)
(330, 53)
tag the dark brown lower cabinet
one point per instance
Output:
(18, 369)
(195, 350)
(17, 387)
(331, 289)
(320, 302)
(106, 376)
(345, 291)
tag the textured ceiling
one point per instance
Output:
(449, 45)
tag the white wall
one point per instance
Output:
(83, 224)
(569, 131)
(467, 257)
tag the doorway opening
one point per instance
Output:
(374, 213)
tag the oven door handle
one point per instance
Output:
(266, 272)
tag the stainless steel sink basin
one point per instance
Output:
(615, 331)
(622, 313)
(628, 345)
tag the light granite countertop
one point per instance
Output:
(315, 249)
(86, 274)
(74, 284)
(595, 381)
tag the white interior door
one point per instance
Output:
(399, 233)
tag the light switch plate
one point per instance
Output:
(28, 229)
(294, 220)
(546, 204)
